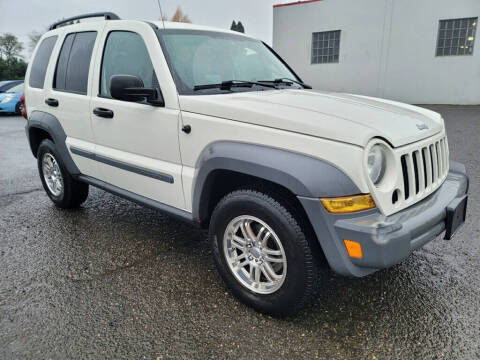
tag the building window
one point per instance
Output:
(456, 37)
(325, 47)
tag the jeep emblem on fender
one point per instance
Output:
(422, 126)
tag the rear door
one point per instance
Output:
(40, 71)
(137, 145)
(68, 92)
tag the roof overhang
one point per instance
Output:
(295, 3)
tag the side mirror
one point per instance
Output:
(131, 88)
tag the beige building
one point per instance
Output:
(416, 51)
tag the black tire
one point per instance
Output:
(302, 280)
(74, 192)
(18, 108)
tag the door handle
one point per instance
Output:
(102, 112)
(51, 102)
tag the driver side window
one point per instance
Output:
(125, 53)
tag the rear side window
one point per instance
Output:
(125, 53)
(73, 63)
(40, 63)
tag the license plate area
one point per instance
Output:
(456, 212)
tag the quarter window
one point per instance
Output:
(325, 47)
(456, 36)
(40, 63)
(125, 53)
(74, 62)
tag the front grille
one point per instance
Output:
(424, 168)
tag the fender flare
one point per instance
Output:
(51, 125)
(301, 174)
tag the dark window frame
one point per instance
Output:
(55, 39)
(448, 31)
(58, 61)
(104, 46)
(333, 58)
(68, 62)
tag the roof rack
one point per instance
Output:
(106, 15)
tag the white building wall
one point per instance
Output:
(387, 48)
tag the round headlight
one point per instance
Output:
(376, 163)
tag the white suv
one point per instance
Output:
(215, 128)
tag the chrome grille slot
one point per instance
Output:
(419, 171)
(406, 188)
(439, 158)
(433, 154)
(427, 162)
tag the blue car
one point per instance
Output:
(10, 100)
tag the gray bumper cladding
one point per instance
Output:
(385, 240)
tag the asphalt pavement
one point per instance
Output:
(114, 280)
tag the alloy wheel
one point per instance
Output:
(255, 254)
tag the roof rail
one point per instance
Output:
(106, 15)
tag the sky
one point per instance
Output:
(21, 18)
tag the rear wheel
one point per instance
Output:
(262, 252)
(61, 187)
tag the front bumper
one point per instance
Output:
(7, 107)
(385, 240)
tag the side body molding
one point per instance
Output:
(301, 174)
(50, 124)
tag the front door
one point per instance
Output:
(137, 146)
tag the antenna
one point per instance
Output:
(161, 13)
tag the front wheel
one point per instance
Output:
(262, 252)
(18, 108)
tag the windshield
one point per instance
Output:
(16, 89)
(205, 57)
(5, 85)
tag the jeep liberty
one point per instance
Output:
(213, 127)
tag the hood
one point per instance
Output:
(342, 117)
(9, 95)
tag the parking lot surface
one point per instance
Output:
(114, 280)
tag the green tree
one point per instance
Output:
(240, 27)
(13, 69)
(12, 65)
(234, 26)
(3, 70)
(10, 47)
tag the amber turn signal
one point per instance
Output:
(348, 204)
(354, 249)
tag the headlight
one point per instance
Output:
(376, 163)
(7, 99)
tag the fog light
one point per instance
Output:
(348, 204)
(354, 249)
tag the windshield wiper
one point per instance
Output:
(227, 85)
(286, 81)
